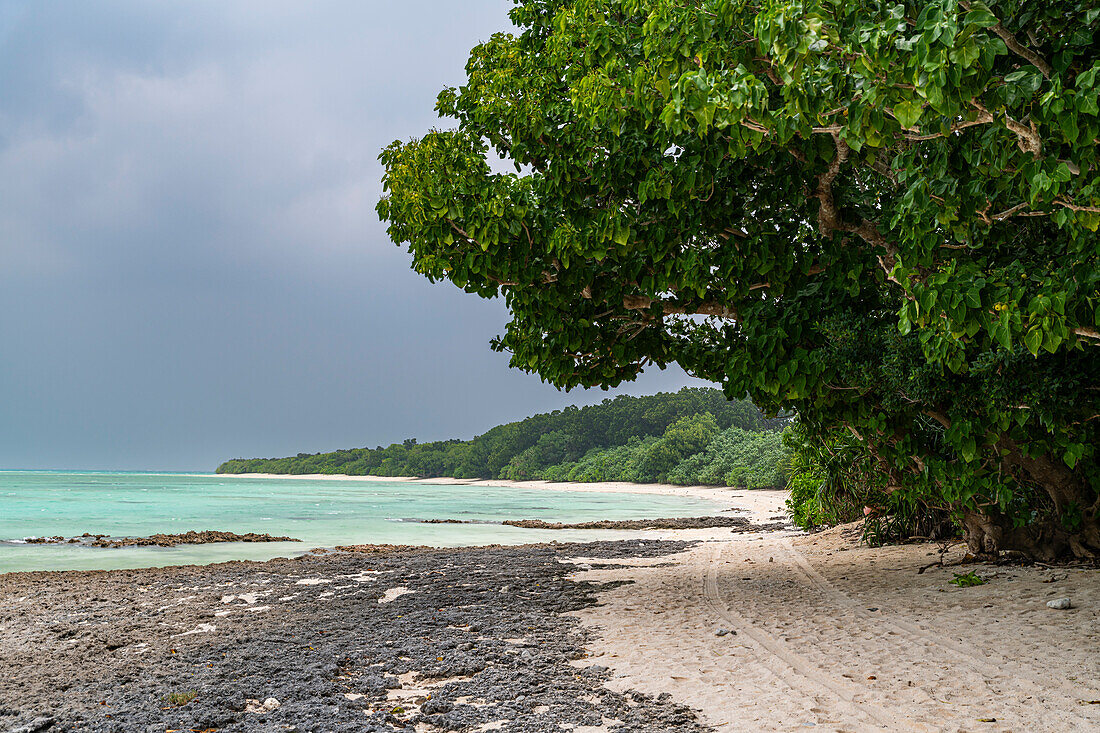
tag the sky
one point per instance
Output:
(191, 268)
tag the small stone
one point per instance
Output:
(257, 708)
(435, 705)
(1060, 604)
(721, 632)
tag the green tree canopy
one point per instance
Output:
(527, 448)
(882, 215)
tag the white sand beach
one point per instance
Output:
(826, 634)
(721, 495)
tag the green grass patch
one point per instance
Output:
(966, 580)
(179, 699)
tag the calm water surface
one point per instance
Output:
(322, 513)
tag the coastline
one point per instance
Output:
(727, 497)
(340, 500)
(421, 639)
(759, 506)
(672, 630)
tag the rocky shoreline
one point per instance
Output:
(739, 524)
(157, 540)
(375, 639)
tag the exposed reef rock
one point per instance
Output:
(345, 642)
(662, 523)
(159, 540)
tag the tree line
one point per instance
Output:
(694, 436)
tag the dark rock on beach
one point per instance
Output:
(738, 523)
(379, 641)
(673, 523)
(160, 540)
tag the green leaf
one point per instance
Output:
(1027, 79)
(904, 325)
(1072, 455)
(908, 113)
(969, 449)
(981, 16)
(1033, 340)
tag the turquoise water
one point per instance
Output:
(322, 513)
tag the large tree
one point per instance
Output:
(882, 215)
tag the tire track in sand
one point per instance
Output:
(978, 660)
(794, 670)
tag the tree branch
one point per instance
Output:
(939, 417)
(1009, 212)
(984, 118)
(828, 219)
(1027, 137)
(1087, 332)
(1075, 207)
(1018, 48)
(671, 308)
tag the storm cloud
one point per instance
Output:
(191, 268)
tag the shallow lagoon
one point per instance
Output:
(322, 513)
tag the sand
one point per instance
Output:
(838, 637)
(719, 494)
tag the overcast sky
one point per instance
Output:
(191, 268)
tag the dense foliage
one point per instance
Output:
(881, 215)
(837, 481)
(643, 439)
(691, 451)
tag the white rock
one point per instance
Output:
(394, 593)
(200, 629)
(1060, 604)
(312, 581)
(259, 708)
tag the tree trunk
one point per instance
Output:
(989, 534)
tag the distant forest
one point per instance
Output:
(694, 436)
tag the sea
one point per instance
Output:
(320, 512)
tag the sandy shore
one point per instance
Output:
(719, 494)
(769, 630)
(827, 634)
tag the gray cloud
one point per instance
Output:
(191, 264)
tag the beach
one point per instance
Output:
(826, 634)
(747, 629)
(718, 494)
